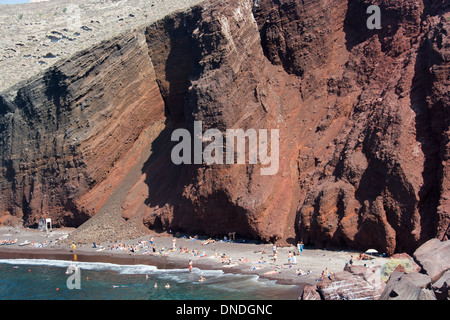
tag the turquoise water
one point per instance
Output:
(39, 279)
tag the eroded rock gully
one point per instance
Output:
(362, 116)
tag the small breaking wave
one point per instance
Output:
(102, 266)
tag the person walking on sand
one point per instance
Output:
(190, 265)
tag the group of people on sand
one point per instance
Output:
(7, 242)
(33, 244)
(150, 247)
(140, 247)
(363, 256)
(208, 241)
(129, 248)
(300, 272)
(325, 274)
(292, 259)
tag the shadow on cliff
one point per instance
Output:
(355, 24)
(56, 91)
(173, 196)
(168, 184)
(165, 180)
(430, 128)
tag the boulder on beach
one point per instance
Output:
(413, 286)
(310, 293)
(440, 287)
(345, 285)
(434, 257)
(430, 282)
(399, 262)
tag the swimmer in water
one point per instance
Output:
(167, 286)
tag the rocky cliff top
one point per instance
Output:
(34, 36)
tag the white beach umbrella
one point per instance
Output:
(372, 251)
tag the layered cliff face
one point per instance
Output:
(361, 114)
(64, 132)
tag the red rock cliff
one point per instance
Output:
(362, 116)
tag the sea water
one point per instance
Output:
(45, 279)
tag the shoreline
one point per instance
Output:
(245, 258)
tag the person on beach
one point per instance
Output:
(275, 257)
(190, 265)
(325, 274)
(300, 247)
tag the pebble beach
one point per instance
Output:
(167, 251)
